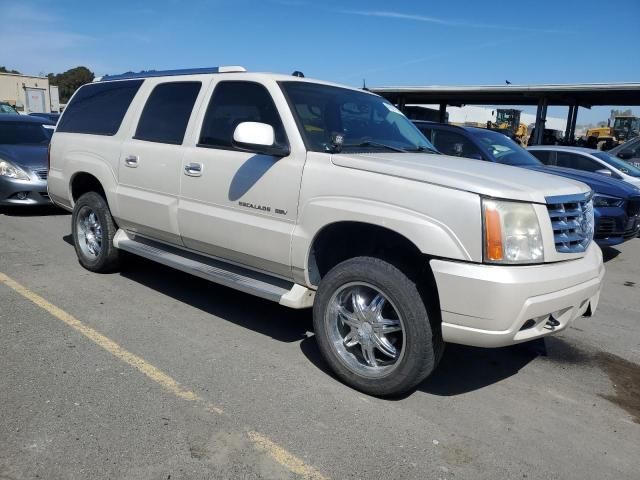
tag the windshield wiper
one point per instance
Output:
(374, 144)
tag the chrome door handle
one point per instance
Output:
(131, 161)
(193, 169)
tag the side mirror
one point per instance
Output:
(258, 137)
(625, 155)
(606, 172)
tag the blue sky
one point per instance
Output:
(386, 43)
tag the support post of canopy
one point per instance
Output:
(541, 120)
(443, 113)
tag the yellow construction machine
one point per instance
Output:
(625, 127)
(508, 122)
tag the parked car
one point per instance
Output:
(616, 203)
(23, 161)
(628, 151)
(312, 194)
(589, 160)
(7, 108)
(51, 117)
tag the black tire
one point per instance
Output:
(423, 345)
(108, 259)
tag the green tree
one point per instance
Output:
(4, 69)
(68, 82)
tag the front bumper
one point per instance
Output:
(615, 225)
(35, 191)
(495, 306)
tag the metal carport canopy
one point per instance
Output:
(582, 94)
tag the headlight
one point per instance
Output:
(607, 201)
(511, 233)
(9, 170)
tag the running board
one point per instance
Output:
(255, 283)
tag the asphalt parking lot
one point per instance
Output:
(153, 374)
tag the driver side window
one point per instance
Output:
(232, 103)
(455, 144)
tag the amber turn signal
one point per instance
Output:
(493, 233)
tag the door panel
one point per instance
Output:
(243, 206)
(148, 189)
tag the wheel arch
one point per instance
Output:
(420, 234)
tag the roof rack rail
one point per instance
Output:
(169, 73)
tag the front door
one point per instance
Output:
(236, 205)
(151, 162)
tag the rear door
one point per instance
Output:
(151, 160)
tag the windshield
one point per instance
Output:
(626, 123)
(504, 150)
(14, 133)
(365, 121)
(6, 108)
(621, 165)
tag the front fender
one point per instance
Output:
(430, 235)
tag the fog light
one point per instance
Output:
(22, 195)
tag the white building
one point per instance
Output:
(29, 93)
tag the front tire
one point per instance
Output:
(93, 230)
(373, 329)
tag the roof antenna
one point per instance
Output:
(298, 73)
(364, 84)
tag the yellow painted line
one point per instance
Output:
(109, 345)
(284, 458)
(261, 442)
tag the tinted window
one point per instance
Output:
(579, 162)
(233, 103)
(543, 155)
(98, 108)
(427, 132)
(456, 144)
(167, 111)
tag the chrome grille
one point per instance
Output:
(572, 221)
(41, 173)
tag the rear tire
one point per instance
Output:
(373, 329)
(93, 230)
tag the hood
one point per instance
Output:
(28, 156)
(484, 178)
(598, 183)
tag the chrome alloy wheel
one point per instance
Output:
(365, 329)
(89, 232)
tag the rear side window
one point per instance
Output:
(98, 108)
(167, 111)
(577, 161)
(427, 132)
(233, 103)
(543, 155)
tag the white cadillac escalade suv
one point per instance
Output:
(312, 194)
